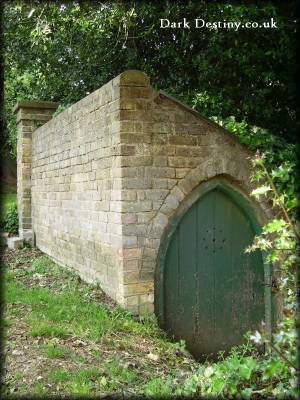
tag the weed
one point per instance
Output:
(120, 372)
(58, 375)
(75, 387)
(83, 381)
(10, 221)
(76, 358)
(26, 243)
(159, 388)
(44, 329)
(41, 265)
(7, 201)
(55, 351)
(19, 375)
(39, 389)
(6, 322)
(9, 276)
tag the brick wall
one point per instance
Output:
(75, 161)
(109, 173)
(174, 150)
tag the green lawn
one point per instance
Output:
(77, 341)
(87, 345)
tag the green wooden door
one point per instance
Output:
(212, 292)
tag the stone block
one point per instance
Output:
(159, 172)
(135, 138)
(26, 235)
(130, 264)
(133, 78)
(136, 183)
(184, 162)
(134, 229)
(183, 140)
(136, 92)
(146, 308)
(131, 301)
(136, 161)
(129, 241)
(127, 218)
(177, 193)
(138, 288)
(160, 221)
(181, 172)
(160, 161)
(170, 204)
(14, 242)
(131, 277)
(142, 205)
(146, 275)
(130, 253)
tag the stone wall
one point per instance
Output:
(174, 150)
(29, 115)
(75, 170)
(109, 173)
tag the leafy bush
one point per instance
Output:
(61, 108)
(10, 221)
(279, 157)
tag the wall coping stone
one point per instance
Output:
(195, 112)
(34, 104)
(133, 77)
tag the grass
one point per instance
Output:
(58, 315)
(94, 379)
(7, 200)
(91, 347)
(54, 351)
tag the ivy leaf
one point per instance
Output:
(208, 372)
(103, 381)
(273, 369)
(247, 368)
(260, 191)
(256, 338)
(274, 226)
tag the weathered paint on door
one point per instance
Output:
(212, 291)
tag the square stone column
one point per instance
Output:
(30, 115)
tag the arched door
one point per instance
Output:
(211, 290)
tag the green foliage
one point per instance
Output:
(61, 52)
(243, 375)
(98, 348)
(280, 237)
(41, 265)
(158, 388)
(280, 240)
(279, 157)
(61, 108)
(7, 200)
(10, 221)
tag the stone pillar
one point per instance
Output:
(30, 115)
